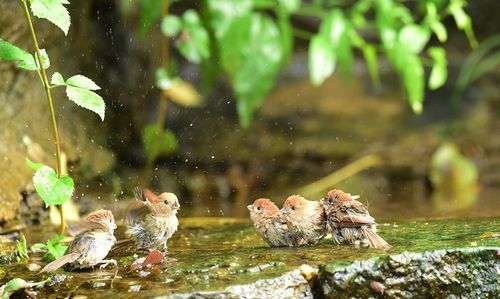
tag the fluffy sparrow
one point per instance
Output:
(270, 223)
(350, 221)
(91, 245)
(305, 219)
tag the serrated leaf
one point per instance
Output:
(158, 142)
(83, 82)
(57, 79)
(439, 71)
(10, 52)
(52, 190)
(321, 59)
(87, 99)
(34, 165)
(53, 11)
(171, 25)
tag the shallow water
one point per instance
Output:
(212, 253)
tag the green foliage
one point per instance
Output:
(79, 89)
(21, 249)
(52, 190)
(53, 248)
(16, 284)
(158, 141)
(251, 53)
(9, 52)
(54, 11)
(439, 71)
(192, 41)
(321, 59)
(482, 60)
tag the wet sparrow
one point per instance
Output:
(270, 223)
(91, 245)
(350, 220)
(305, 219)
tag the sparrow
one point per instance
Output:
(90, 246)
(305, 219)
(270, 224)
(350, 220)
(152, 220)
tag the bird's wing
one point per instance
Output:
(137, 211)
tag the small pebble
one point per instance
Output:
(33, 267)
(134, 288)
(377, 287)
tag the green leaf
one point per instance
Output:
(149, 13)
(54, 11)
(34, 165)
(52, 190)
(434, 22)
(83, 82)
(250, 36)
(370, 55)
(193, 43)
(321, 59)
(413, 79)
(338, 29)
(86, 99)
(463, 20)
(158, 142)
(164, 80)
(439, 71)
(414, 37)
(286, 35)
(12, 286)
(53, 250)
(21, 249)
(57, 79)
(289, 5)
(9, 52)
(224, 13)
(171, 25)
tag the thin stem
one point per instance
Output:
(46, 86)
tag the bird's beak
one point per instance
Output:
(283, 211)
(176, 206)
(250, 207)
(114, 226)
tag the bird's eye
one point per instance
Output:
(258, 208)
(166, 202)
(293, 208)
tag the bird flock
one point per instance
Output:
(301, 221)
(152, 220)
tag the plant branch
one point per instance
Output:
(46, 86)
(162, 107)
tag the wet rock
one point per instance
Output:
(433, 274)
(289, 285)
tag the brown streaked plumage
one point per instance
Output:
(270, 223)
(305, 219)
(91, 245)
(152, 220)
(350, 220)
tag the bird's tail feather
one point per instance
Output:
(121, 244)
(68, 258)
(374, 239)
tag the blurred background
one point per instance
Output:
(223, 102)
